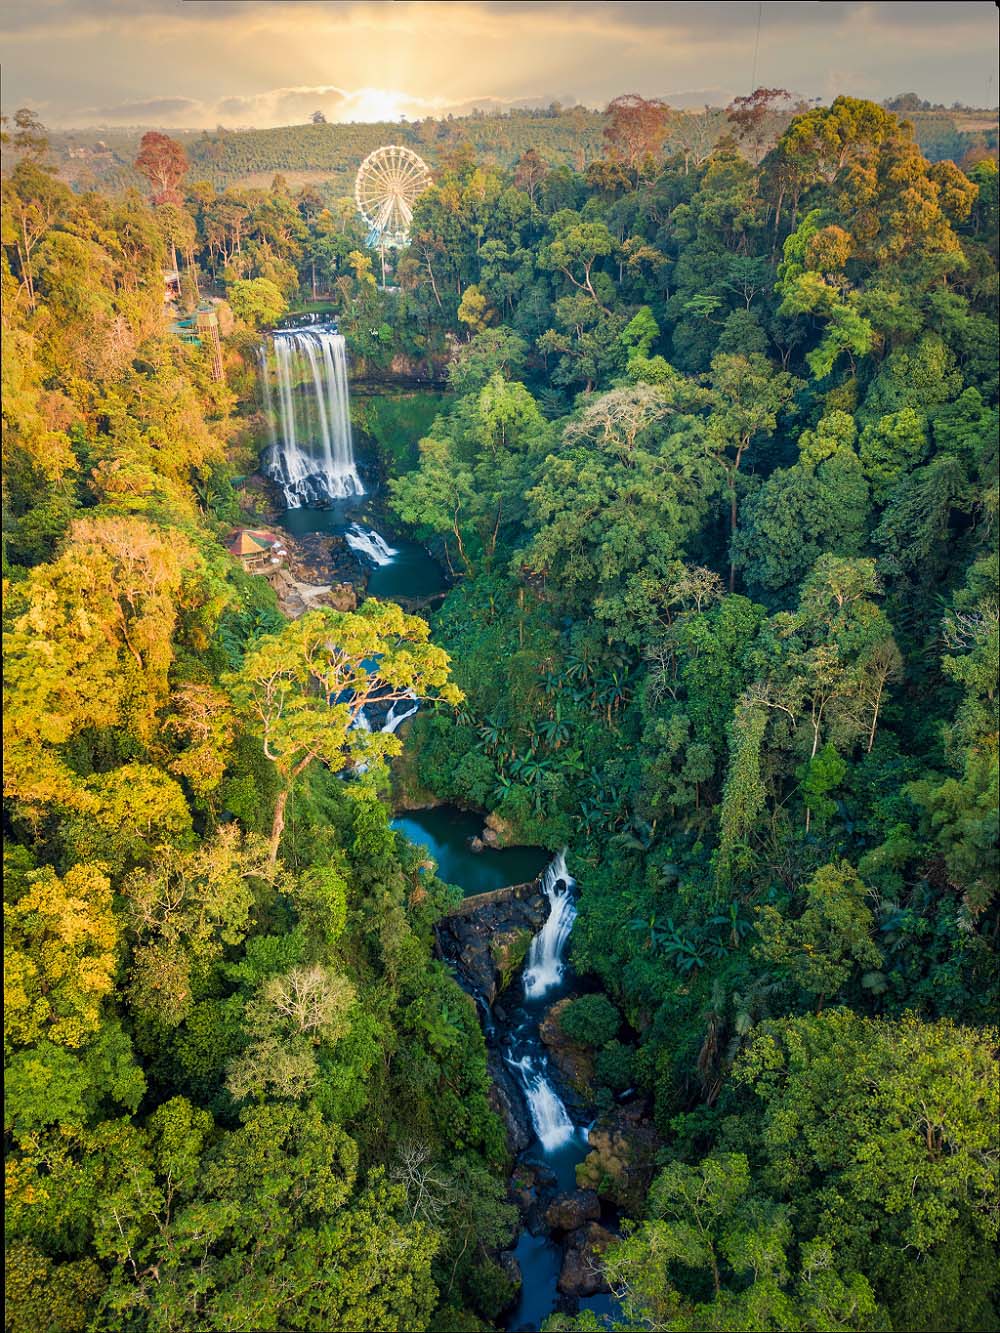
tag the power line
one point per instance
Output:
(756, 47)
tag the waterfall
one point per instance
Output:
(367, 542)
(312, 452)
(408, 705)
(548, 1114)
(544, 967)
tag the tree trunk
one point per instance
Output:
(732, 529)
(277, 828)
(733, 515)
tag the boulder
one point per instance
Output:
(484, 944)
(343, 597)
(568, 1212)
(622, 1158)
(509, 950)
(574, 1062)
(497, 831)
(521, 1187)
(581, 1273)
(511, 1268)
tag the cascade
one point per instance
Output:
(394, 719)
(548, 1114)
(369, 543)
(308, 409)
(544, 967)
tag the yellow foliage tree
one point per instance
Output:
(60, 942)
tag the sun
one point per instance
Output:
(374, 104)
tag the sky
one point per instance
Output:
(201, 63)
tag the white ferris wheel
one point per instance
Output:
(387, 185)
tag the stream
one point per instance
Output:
(400, 568)
(559, 1143)
(311, 456)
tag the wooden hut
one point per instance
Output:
(253, 554)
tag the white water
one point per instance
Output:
(312, 450)
(407, 706)
(548, 1114)
(545, 965)
(367, 542)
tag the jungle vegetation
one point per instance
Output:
(716, 479)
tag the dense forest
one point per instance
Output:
(716, 483)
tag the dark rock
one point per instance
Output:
(521, 1187)
(507, 1101)
(567, 1212)
(511, 1268)
(581, 1273)
(483, 945)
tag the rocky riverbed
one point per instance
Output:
(569, 1199)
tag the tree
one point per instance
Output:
(530, 172)
(636, 129)
(749, 394)
(822, 948)
(303, 688)
(615, 504)
(709, 1223)
(753, 118)
(890, 1128)
(164, 163)
(256, 301)
(60, 957)
(291, 1015)
(183, 912)
(574, 250)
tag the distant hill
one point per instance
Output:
(331, 153)
(327, 155)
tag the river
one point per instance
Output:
(312, 456)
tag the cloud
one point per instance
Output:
(279, 106)
(271, 62)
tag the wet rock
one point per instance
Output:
(574, 1062)
(581, 1273)
(511, 1269)
(622, 1159)
(521, 1187)
(509, 950)
(477, 845)
(482, 943)
(568, 1212)
(506, 1099)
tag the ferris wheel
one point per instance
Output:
(387, 185)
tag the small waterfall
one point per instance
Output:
(548, 1114)
(312, 451)
(394, 719)
(544, 967)
(369, 543)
